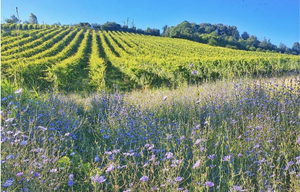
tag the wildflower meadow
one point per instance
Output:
(239, 135)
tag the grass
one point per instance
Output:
(242, 135)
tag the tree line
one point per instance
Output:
(212, 34)
(225, 36)
(113, 26)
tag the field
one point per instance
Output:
(197, 118)
(73, 59)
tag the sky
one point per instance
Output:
(277, 20)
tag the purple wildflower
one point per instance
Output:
(9, 120)
(191, 65)
(212, 156)
(197, 164)
(18, 91)
(9, 157)
(23, 143)
(290, 163)
(198, 141)
(8, 182)
(178, 178)
(237, 188)
(70, 183)
(19, 174)
(195, 72)
(152, 158)
(144, 178)
(169, 155)
(115, 151)
(209, 184)
(226, 158)
(37, 174)
(42, 128)
(98, 179)
(110, 168)
(71, 176)
(53, 170)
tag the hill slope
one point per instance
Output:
(74, 59)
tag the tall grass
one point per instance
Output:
(223, 136)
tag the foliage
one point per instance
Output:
(224, 136)
(65, 58)
(221, 35)
(33, 19)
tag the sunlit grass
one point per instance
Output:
(222, 136)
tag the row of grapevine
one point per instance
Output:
(44, 46)
(144, 66)
(53, 51)
(56, 48)
(18, 35)
(70, 57)
(71, 72)
(13, 42)
(33, 71)
(160, 56)
(14, 26)
(138, 66)
(97, 65)
(32, 44)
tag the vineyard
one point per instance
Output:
(68, 58)
(189, 116)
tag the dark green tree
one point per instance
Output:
(245, 35)
(165, 31)
(111, 26)
(296, 48)
(12, 19)
(282, 47)
(33, 19)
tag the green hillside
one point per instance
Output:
(69, 58)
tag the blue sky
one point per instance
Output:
(277, 20)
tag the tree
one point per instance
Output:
(232, 31)
(252, 41)
(296, 47)
(282, 47)
(96, 26)
(111, 26)
(245, 35)
(57, 24)
(32, 19)
(165, 30)
(12, 19)
(133, 27)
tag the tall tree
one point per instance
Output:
(165, 30)
(12, 19)
(32, 19)
(296, 47)
(282, 47)
(245, 35)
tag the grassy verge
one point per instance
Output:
(242, 135)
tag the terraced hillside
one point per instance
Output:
(77, 59)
